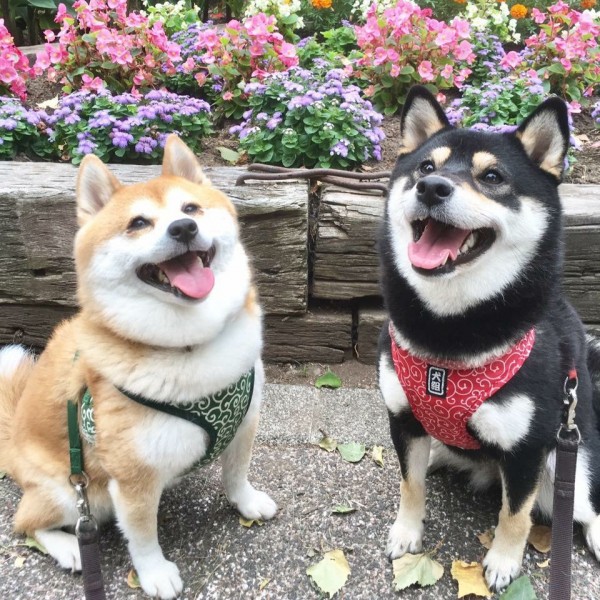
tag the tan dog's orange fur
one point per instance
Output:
(129, 334)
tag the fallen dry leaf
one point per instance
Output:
(419, 569)
(470, 579)
(263, 584)
(20, 561)
(251, 522)
(133, 580)
(486, 538)
(343, 509)
(331, 573)
(377, 455)
(328, 443)
(544, 564)
(540, 537)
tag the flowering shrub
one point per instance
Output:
(300, 118)
(174, 17)
(338, 48)
(492, 19)
(222, 61)
(565, 52)
(102, 46)
(404, 45)
(503, 100)
(360, 8)
(125, 127)
(14, 66)
(287, 14)
(21, 129)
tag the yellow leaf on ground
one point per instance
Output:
(377, 455)
(540, 537)
(20, 561)
(543, 565)
(418, 569)
(331, 573)
(486, 538)
(251, 522)
(263, 584)
(327, 443)
(470, 579)
(132, 580)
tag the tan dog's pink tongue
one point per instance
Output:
(187, 273)
(438, 243)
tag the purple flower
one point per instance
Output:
(8, 124)
(146, 145)
(121, 139)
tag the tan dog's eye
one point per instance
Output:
(138, 223)
(191, 209)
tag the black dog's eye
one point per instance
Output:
(138, 223)
(191, 209)
(426, 167)
(492, 177)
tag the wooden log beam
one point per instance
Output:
(37, 221)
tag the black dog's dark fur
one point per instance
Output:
(535, 299)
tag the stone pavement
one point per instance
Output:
(220, 559)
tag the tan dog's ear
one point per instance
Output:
(422, 117)
(180, 161)
(95, 187)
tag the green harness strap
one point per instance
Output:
(75, 453)
(219, 414)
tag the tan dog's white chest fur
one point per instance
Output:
(168, 312)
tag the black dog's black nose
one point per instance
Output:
(432, 190)
(183, 230)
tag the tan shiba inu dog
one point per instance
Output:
(169, 315)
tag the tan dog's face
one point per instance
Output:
(159, 262)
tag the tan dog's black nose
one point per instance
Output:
(183, 230)
(432, 190)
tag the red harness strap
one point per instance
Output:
(443, 398)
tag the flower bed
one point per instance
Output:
(495, 61)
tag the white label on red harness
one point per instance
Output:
(436, 381)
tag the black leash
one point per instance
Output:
(86, 528)
(568, 438)
(363, 181)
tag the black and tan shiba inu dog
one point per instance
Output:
(481, 337)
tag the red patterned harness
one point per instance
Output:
(443, 398)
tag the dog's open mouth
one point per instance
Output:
(439, 247)
(185, 276)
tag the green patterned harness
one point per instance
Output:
(219, 414)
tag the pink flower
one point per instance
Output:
(149, 61)
(287, 54)
(200, 78)
(462, 27)
(8, 73)
(538, 15)
(574, 107)
(446, 37)
(566, 63)
(395, 70)
(96, 84)
(42, 62)
(49, 35)
(426, 71)
(559, 7)
(446, 72)
(441, 98)
(227, 96)
(511, 60)
(189, 65)
(464, 51)
(61, 13)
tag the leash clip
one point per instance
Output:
(86, 522)
(568, 425)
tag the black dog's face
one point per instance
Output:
(467, 210)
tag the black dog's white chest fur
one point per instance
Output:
(471, 257)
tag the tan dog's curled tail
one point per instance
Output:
(16, 364)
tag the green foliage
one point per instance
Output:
(21, 130)
(175, 17)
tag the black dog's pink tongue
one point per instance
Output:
(438, 243)
(187, 273)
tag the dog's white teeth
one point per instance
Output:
(162, 277)
(468, 243)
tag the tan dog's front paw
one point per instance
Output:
(404, 537)
(160, 578)
(500, 569)
(254, 504)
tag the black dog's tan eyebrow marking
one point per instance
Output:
(482, 161)
(440, 156)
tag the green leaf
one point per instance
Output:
(251, 522)
(342, 509)
(228, 154)
(352, 452)
(46, 4)
(331, 573)
(133, 581)
(2, 474)
(417, 569)
(329, 380)
(327, 444)
(519, 589)
(33, 543)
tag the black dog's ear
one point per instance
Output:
(545, 136)
(422, 116)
